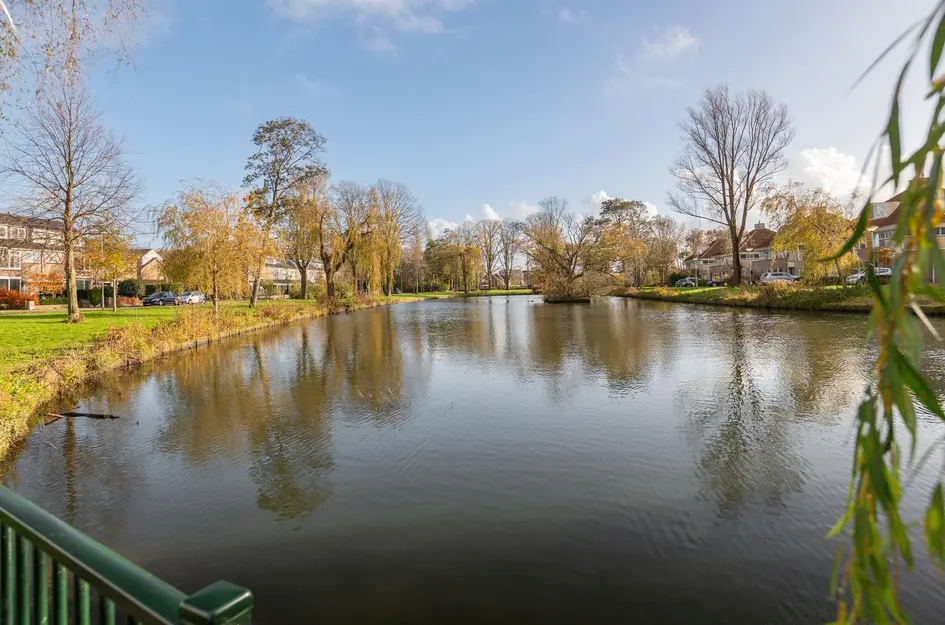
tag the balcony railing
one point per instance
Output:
(49, 569)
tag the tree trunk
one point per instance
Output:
(329, 280)
(72, 304)
(736, 263)
(507, 276)
(216, 297)
(114, 295)
(254, 298)
(843, 283)
(304, 274)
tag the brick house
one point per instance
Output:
(31, 251)
(755, 254)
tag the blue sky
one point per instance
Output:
(483, 107)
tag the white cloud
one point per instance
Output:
(674, 43)
(317, 89)
(439, 226)
(522, 209)
(593, 202)
(402, 15)
(487, 212)
(830, 169)
(651, 209)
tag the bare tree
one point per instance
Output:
(67, 167)
(488, 233)
(62, 37)
(287, 156)
(510, 244)
(734, 145)
(663, 246)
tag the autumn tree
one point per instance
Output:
(299, 234)
(213, 236)
(399, 218)
(286, 157)
(666, 237)
(488, 239)
(341, 226)
(510, 245)
(110, 257)
(816, 222)
(566, 249)
(467, 255)
(66, 166)
(734, 146)
(625, 227)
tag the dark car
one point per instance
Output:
(715, 283)
(160, 298)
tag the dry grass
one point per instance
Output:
(25, 387)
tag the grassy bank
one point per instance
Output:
(783, 296)
(41, 356)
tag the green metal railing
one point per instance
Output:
(53, 574)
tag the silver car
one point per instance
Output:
(777, 276)
(191, 297)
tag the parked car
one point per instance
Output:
(191, 297)
(777, 276)
(160, 298)
(883, 273)
(686, 282)
(718, 282)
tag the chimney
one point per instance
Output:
(760, 225)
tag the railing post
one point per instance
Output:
(221, 603)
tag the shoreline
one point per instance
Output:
(25, 388)
(800, 299)
(28, 387)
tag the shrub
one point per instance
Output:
(674, 277)
(778, 288)
(173, 287)
(130, 288)
(12, 300)
(150, 289)
(268, 288)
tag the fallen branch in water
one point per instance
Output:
(90, 415)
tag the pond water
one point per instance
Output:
(492, 461)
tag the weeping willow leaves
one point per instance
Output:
(866, 579)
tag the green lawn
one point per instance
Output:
(29, 336)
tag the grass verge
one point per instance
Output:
(778, 296)
(43, 356)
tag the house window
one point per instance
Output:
(13, 284)
(18, 233)
(32, 256)
(939, 232)
(3, 232)
(884, 236)
(83, 285)
(54, 258)
(15, 258)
